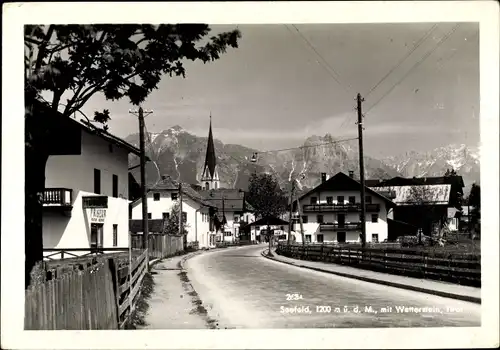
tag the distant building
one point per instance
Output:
(195, 210)
(425, 203)
(233, 211)
(331, 212)
(87, 188)
(210, 176)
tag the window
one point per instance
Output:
(115, 186)
(341, 237)
(184, 216)
(165, 216)
(374, 217)
(97, 181)
(304, 219)
(375, 237)
(236, 218)
(308, 238)
(340, 199)
(352, 200)
(314, 200)
(96, 235)
(174, 196)
(115, 235)
(156, 196)
(149, 215)
(319, 219)
(368, 199)
(320, 238)
(329, 200)
(207, 186)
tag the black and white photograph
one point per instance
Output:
(275, 176)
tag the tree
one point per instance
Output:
(474, 200)
(171, 226)
(267, 198)
(421, 201)
(76, 62)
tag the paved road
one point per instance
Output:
(241, 289)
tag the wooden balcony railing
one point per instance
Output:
(57, 197)
(340, 227)
(370, 208)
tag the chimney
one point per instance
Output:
(323, 177)
(351, 174)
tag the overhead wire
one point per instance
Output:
(329, 69)
(415, 46)
(416, 65)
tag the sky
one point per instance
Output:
(288, 82)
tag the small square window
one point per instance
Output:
(156, 196)
(308, 238)
(236, 218)
(314, 200)
(320, 238)
(329, 200)
(304, 219)
(375, 237)
(340, 199)
(165, 216)
(319, 219)
(368, 199)
(149, 216)
(352, 199)
(374, 217)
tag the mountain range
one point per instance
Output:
(181, 155)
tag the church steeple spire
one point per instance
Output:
(209, 175)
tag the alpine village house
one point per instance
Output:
(331, 211)
(87, 190)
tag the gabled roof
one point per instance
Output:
(269, 220)
(91, 129)
(401, 181)
(234, 199)
(419, 195)
(343, 182)
(168, 184)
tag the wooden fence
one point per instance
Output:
(160, 245)
(100, 294)
(456, 268)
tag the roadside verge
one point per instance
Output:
(442, 289)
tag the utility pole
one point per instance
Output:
(181, 223)
(361, 170)
(144, 188)
(290, 224)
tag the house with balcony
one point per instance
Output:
(86, 196)
(232, 212)
(331, 212)
(197, 213)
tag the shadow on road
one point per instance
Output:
(240, 256)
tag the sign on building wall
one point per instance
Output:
(94, 202)
(97, 215)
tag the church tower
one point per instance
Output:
(210, 176)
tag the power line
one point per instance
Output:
(441, 61)
(324, 63)
(443, 39)
(416, 46)
(307, 146)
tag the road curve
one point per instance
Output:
(242, 289)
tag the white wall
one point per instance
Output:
(312, 227)
(197, 227)
(233, 226)
(76, 172)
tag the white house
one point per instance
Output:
(86, 194)
(331, 212)
(196, 211)
(231, 205)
